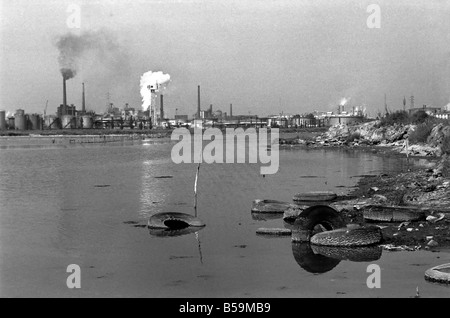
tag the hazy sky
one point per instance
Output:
(263, 56)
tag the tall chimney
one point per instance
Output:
(162, 107)
(83, 102)
(64, 110)
(198, 102)
(231, 110)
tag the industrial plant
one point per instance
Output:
(68, 117)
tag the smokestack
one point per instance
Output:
(83, 102)
(231, 110)
(198, 102)
(162, 107)
(210, 109)
(64, 110)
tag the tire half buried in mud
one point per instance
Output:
(174, 221)
(378, 213)
(359, 236)
(439, 274)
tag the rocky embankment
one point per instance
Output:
(396, 137)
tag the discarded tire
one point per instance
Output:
(393, 214)
(270, 206)
(311, 262)
(293, 212)
(354, 254)
(439, 274)
(273, 231)
(174, 221)
(266, 216)
(322, 215)
(315, 196)
(361, 236)
(172, 233)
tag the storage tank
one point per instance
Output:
(20, 121)
(88, 122)
(68, 122)
(2, 120)
(52, 122)
(35, 122)
(11, 123)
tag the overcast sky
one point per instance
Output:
(263, 56)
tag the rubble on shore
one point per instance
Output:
(426, 188)
(373, 134)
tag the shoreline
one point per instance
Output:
(419, 187)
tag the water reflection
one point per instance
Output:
(321, 259)
(353, 254)
(173, 232)
(310, 261)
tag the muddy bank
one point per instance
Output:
(424, 190)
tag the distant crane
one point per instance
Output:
(45, 109)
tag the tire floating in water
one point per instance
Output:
(353, 254)
(309, 219)
(270, 206)
(439, 274)
(172, 232)
(315, 196)
(359, 236)
(381, 213)
(174, 221)
(273, 231)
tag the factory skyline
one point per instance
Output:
(308, 57)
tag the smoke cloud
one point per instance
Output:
(155, 80)
(100, 44)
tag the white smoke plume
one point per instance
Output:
(155, 80)
(72, 48)
(344, 101)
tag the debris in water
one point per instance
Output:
(394, 248)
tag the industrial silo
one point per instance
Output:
(35, 122)
(11, 123)
(68, 122)
(2, 120)
(52, 122)
(20, 120)
(87, 122)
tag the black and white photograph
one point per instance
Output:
(221, 154)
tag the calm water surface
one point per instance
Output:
(88, 205)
